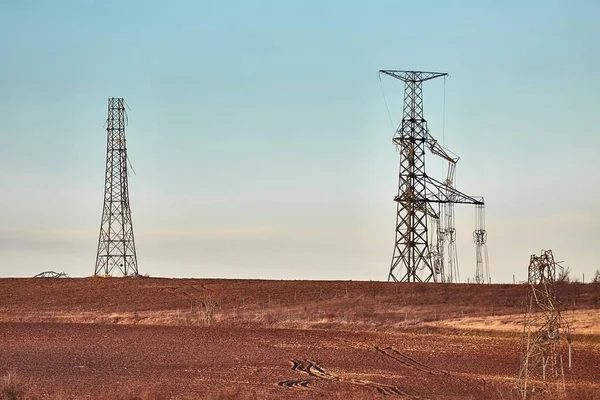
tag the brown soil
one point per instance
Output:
(183, 338)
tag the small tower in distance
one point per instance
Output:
(116, 245)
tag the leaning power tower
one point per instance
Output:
(424, 214)
(546, 333)
(116, 246)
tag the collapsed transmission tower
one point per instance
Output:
(51, 274)
(418, 257)
(546, 335)
(116, 246)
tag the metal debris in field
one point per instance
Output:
(51, 274)
(546, 336)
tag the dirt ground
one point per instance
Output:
(123, 338)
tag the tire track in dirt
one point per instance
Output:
(295, 384)
(396, 355)
(311, 368)
(410, 362)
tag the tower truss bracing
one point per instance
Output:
(116, 245)
(425, 206)
(546, 342)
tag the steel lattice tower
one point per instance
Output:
(546, 333)
(414, 259)
(116, 246)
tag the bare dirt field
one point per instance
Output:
(122, 338)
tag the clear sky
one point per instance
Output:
(261, 140)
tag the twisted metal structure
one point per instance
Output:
(116, 245)
(449, 231)
(546, 334)
(482, 269)
(51, 274)
(421, 229)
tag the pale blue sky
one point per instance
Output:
(261, 140)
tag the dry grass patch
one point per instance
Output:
(12, 387)
(585, 322)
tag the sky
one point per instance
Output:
(261, 140)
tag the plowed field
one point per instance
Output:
(122, 338)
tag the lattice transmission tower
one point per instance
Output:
(546, 334)
(425, 206)
(116, 245)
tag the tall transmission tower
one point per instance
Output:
(546, 334)
(116, 246)
(417, 257)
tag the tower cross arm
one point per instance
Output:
(437, 192)
(439, 150)
(412, 76)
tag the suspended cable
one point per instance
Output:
(444, 124)
(386, 105)
(127, 123)
(131, 166)
(444, 115)
(125, 112)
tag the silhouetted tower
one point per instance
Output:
(413, 259)
(116, 246)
